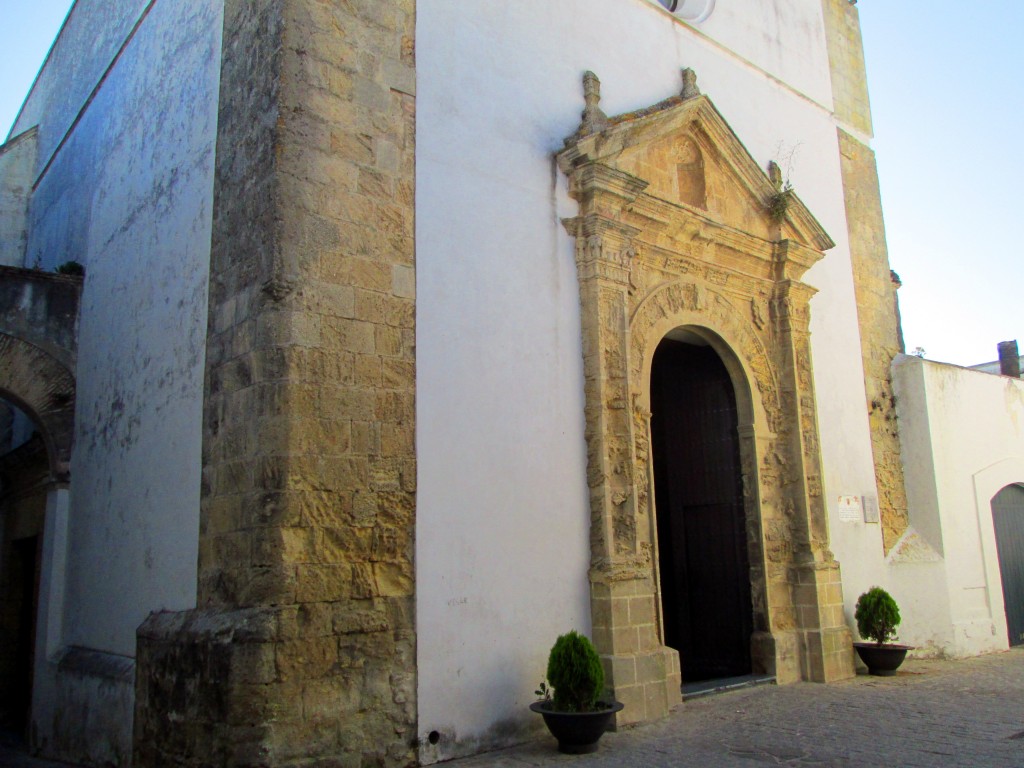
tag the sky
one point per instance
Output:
(947, 102)
(948, 108)
(26, 33)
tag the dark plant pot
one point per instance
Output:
(577, 732)
(882, 660)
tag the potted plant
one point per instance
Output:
(877, 617)
(570, 699)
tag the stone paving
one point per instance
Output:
(12, 754)
(967, 713)
(933, 713)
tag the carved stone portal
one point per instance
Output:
(674, 232)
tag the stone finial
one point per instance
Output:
(594, 120)
(690, 88)
(775, 174)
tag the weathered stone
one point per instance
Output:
(311, 288)
(648, 265)
(880, 333)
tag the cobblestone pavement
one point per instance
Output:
(967, 713)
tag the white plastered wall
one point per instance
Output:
(963, 438)
(123, 184)
(129, 194)
(502, 510)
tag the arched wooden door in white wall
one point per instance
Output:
(1008, 521)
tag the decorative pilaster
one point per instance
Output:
(823, 639)
(641, 672)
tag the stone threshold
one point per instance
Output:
(722, 684)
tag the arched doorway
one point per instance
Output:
(1008, 521)
(673, 232)
(24, 480)
(701, 521)
(37, 399)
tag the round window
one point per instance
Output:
(691, 10)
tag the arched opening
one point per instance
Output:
(649, 262)
(1008, 521)
(704, 563)
(24, 481)
(37, 399)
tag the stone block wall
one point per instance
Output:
(846, 62)
(302, 650)
(879, 328)
(94, 690)
(875, 287)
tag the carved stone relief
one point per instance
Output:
(673, 233)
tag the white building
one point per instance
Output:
(241, 181)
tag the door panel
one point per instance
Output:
(1008, 520)
(705, 574)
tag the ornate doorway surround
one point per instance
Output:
(676, 230)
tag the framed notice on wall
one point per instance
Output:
(849, 509)
(870, 509)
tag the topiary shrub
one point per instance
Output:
(575, 673)
(877, 616)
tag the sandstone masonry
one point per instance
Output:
(674, 231)
(302, 649)
(873, 281)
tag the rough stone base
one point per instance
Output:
(828, 655)
(263, 687)
(826, 643)
(82, 708)
(649, 684)
(777, 656)
(639, 671)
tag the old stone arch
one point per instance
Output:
(654, 255)
(38, 328)
(43, 387)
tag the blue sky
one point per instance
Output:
(948, 106)
(28, 29)
(947, 100)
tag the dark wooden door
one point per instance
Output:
(1008, 519)
(704, 567)
(22, 574)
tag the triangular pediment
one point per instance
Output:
(682, 152)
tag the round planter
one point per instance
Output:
(577, 732)
(882, 660)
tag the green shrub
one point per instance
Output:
(70, 268)
(779, 202)
(575, 673)
(877, 615)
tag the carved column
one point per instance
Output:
(641, 672)
(823, 641)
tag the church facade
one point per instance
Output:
(415, 333)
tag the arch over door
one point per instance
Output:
(1008, 521)
(673, 232)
